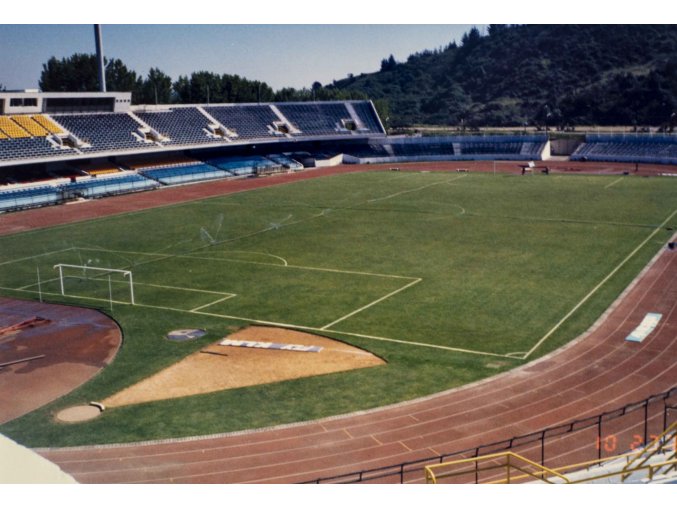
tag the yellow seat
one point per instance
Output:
(30, 126)
(47, 124)
(12, 129)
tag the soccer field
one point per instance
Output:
(449, 277)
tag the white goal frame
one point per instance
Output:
(125, 273)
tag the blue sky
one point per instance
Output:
(284, 43)
(281, 55)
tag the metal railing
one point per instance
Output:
(504, 461)
(499, 468)
(608, 434)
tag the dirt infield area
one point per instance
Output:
(48, 350)
(218, 367)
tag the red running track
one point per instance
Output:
(597, 372)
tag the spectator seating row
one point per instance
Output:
(101, 186)
(184, 125)
(404, 149)
(318, 118)
(286, 161)
(28, 147)
(185, 174)
(103, 131)
(660, 149)
(247, 121)
(20, 198)
(242, 166)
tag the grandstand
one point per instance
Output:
(654, 149)
(102, 134)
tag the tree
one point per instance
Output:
(181, 88)
(79, 73)
(388, 63)
(471, 38)
(156, 88)
(120, 79)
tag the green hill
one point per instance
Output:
(535, 74)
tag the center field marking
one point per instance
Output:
(614, 182)
(416, 189)
(599, 285)
(371, 304)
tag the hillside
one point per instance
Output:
(538, 74)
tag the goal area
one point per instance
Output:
(89, 282)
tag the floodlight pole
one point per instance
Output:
(99, 58)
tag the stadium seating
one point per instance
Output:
(20, 198)
(103, 131)
(316, 119)
(100, 186)
(185, 174)
(248, 121)
(30, 126)
(368, 116)
(29, 147)
(12, 129)
(659, 149)
(418, 149)
(285, 161)
(242, 166)
(185, 125)
(47, 124)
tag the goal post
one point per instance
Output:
(99, 274)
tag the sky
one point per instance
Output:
(290, 43)
(282, 55)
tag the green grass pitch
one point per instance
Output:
(449, 277)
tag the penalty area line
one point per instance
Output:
(280, 324)
(377, 301)
(614, 182)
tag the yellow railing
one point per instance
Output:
(505, 465)
(508, 462)
(658, 445)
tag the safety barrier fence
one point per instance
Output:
(607, 434)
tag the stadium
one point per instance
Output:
(284, 292)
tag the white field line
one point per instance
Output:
(599, 285)
(194, 310)
(416, 189)
(355, 312)
(614, 182)
(285, 325)
(36, 256)
(305, 268)
(36, 283)
(260, 253)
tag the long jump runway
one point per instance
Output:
(597, 372)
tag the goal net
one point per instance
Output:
(102, 284)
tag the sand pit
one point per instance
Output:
(217, 367)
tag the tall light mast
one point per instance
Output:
(99, 58)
